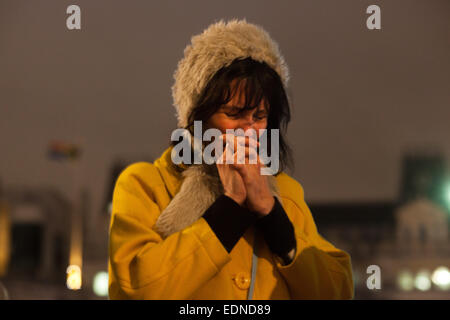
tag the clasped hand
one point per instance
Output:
(242, 181)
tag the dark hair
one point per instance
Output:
(261, 82)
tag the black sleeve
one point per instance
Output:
(277, 230)
(229, 220)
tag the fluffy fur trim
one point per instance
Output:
(200, 188)
(215, 48)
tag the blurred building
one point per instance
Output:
(38, 239)
(408, 239)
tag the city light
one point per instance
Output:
(73, 277)
(405, 280)
(441, 278)
(422, 281)
(447, 193)
(100, 285)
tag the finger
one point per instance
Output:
(248, 141)
(252, 156)
(246, 155)
(241, 169)
(226, 155)
(225, 138)
(236, 143)
(238, 150)
(237, 155)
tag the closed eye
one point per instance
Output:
(260, 115)
(233, 112)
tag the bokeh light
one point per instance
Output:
(100, 285)
(405, 281)
(422, 280)
(441, 278)
(73, 277)
(447, 194)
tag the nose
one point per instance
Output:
(247, 122)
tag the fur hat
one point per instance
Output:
(217, 47)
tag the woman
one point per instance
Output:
(223, 230)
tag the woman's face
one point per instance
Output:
(229, 117)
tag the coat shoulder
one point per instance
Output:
(290, 188)
(142, 172)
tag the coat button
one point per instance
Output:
(242, 280)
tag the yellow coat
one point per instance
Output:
(5, 237)
(193, 264)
